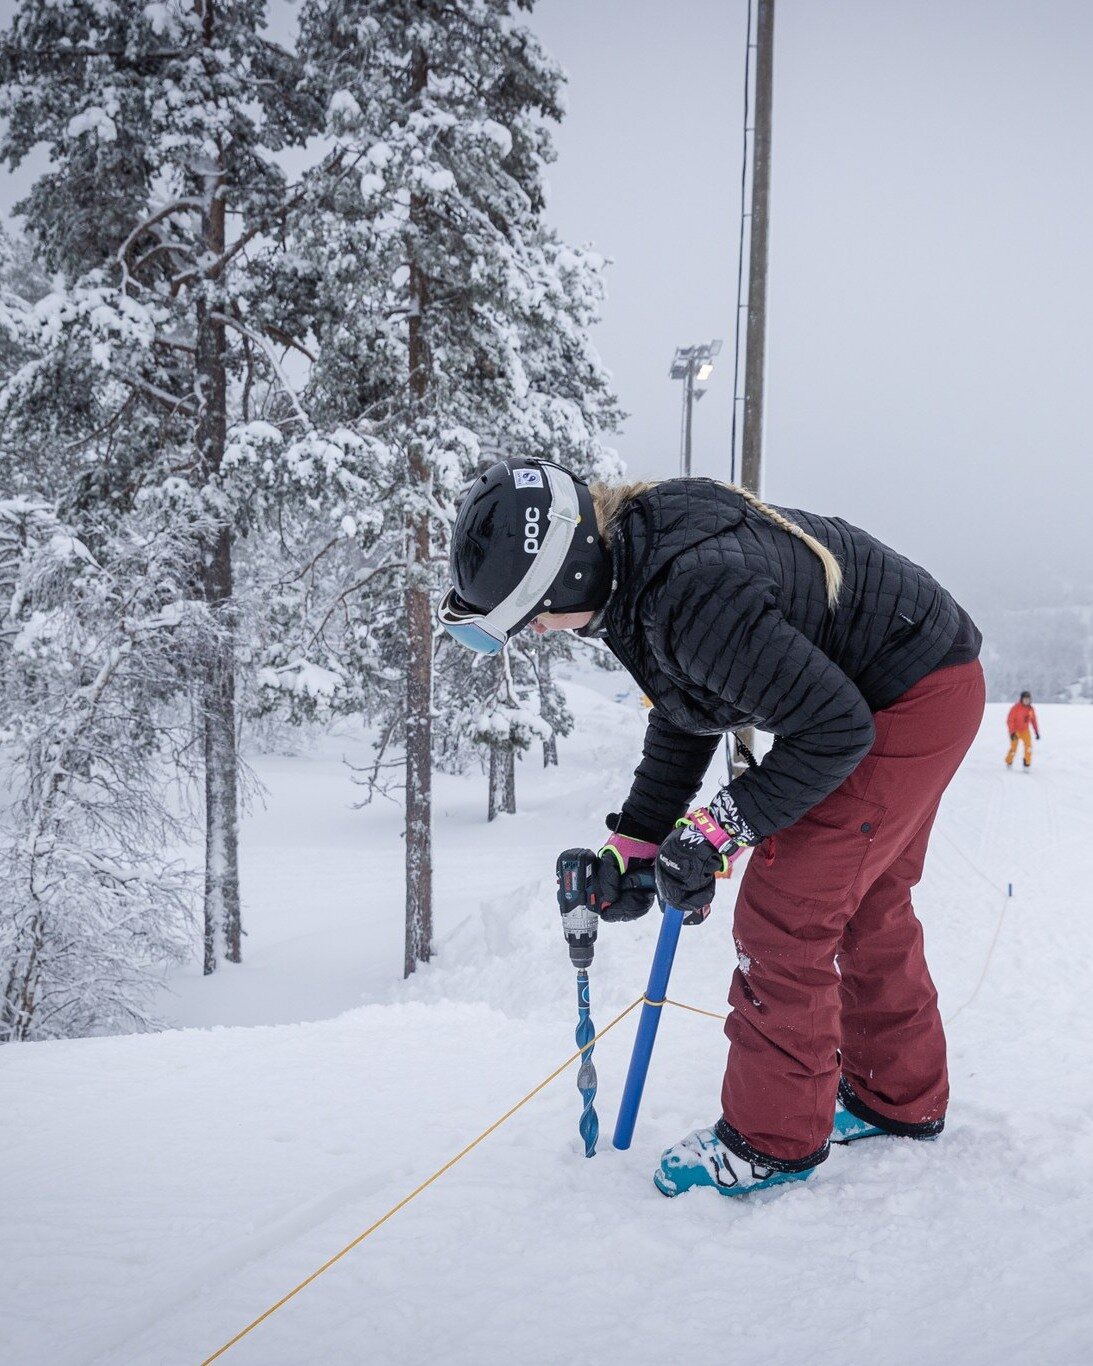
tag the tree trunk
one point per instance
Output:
(550, 751)
(222, 907)
(502, 781)
(419, 621)
(419, 740)
(550, 745)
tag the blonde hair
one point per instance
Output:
(610, 500)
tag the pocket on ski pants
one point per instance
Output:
(822, 855)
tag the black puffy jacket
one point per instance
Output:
(721, 617)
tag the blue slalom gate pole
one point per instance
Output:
(655, 993)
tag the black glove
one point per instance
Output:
(625, 876)
(1013, 735)
(686, 864)
(703, 844)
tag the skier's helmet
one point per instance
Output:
(1026, 697)
(525, 541)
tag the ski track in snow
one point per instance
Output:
(160, 1192)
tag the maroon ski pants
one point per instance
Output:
(830, 952)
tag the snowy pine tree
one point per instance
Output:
(452, 324)
(304, 375)
(94, 651)
(21, 285)
(499, 716)
(552, 703)
(160, 217)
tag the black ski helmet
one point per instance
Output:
(512, 514)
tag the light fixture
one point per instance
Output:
(694, 366)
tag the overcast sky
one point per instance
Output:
(929, 357)
(929, 353)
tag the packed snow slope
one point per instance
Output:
(160, 1192)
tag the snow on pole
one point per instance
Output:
(663, 956)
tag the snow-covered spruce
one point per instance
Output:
(450, 324)
(93, 651)
(304, 374)
(157, 222)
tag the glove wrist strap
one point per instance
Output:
(708, 827)
(728, 843)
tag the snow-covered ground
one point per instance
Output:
(160, 1192)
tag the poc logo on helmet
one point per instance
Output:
(531, 531)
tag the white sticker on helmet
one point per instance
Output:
(531, 531)
(528, 479)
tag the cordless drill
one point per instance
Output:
(579, 901)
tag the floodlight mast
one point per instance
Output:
(751, 456)
(691, 364)
(751, 475)
(688, 411)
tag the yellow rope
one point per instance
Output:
(406, 1199)
(714, 1015)
(641, 1000)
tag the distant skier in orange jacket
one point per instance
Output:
(1022, 716)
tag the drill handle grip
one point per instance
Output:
(579, 901)
(578, 880)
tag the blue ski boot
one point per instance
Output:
(847, 1127)
(702, 1159)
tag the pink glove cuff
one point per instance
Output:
(626, 848)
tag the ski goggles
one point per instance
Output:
(469, 626)
(488, 632)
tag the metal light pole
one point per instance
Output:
(694, 366)
(752, 456)
(688, 415)
(751, 462)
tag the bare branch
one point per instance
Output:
(174, 207)
(334, 540)
(161, 248)
(314, 176)
(171, 402)
(261, 342)
(173, 345)
(286, 340)
(353, 588)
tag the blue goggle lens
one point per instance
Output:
(474, 636)
(469, 627)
